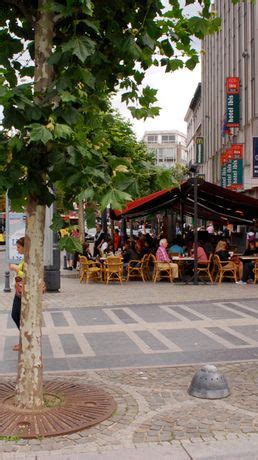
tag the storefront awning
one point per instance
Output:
(214, 203)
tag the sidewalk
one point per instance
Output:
(155, 418)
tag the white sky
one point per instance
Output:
(175, 91)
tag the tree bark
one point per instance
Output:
(81, 221)
(29, 390)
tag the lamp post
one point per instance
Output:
(193, 169)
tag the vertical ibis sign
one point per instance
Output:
(233, 102)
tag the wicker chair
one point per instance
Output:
(204, 270)
(138, 268)
(163, 270)
(255, 270)
(224, 269)
(113, 269)
(89, 269)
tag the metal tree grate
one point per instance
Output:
(70, 407)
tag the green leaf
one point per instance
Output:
(62, 131)
(85, 195)
(92, 25)
(167, 48)
(116, 198)
(57, 223)
(66, 96)
(174, 64)
(192, 62)
(90, 216)
(82, 47)
(40, 133)
(70, 244)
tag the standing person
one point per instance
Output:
(16, 309)
(117, 240)
(99, 239)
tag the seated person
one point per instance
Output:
(222, 251)
(246, 273)
(176, 247)
(129, 253)
(86, 251)
(163, 257)
(201, 254)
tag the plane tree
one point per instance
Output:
(60, 61)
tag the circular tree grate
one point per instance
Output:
(68, 408)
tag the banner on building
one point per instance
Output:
(237, 167)
(233, 102)
(223, 173)
(229, 168)
(255, 156)
(199, 150)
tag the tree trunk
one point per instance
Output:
(81, 221)
(30, 380)
(29, 392)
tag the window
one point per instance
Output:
(165, 139)
(152, 139)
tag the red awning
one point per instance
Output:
(214, 203)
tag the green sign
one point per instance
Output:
(229, 173)
(232, 111)
(223, 177)
(237, 173)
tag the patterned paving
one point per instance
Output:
(140, 335)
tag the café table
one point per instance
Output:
(180, 260)
(249, 257)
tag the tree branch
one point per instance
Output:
(22, 8)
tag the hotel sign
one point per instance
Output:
(237, 167)
(233, 102)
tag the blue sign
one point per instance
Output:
(255, 156)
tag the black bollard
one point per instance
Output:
(7, 282)
(65, 263)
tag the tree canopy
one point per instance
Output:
(94, 48)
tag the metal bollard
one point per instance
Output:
(7, 282)
(65, 263)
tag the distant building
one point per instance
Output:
(169, 147)
(193, 118)
(230, 98)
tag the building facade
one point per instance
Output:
(169, 147)
(230, 98)
(193, 118)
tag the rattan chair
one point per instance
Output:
(224, 269)
(113, 269)
(138, 268)
(255, 270)
(163, 270)
(204, 270)
(89, 270)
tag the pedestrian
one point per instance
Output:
(99, 239)
(18, 269)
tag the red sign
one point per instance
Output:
(233, 85)
(237, 151)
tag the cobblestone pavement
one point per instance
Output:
(154, 409)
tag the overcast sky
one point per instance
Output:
(175, 91)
